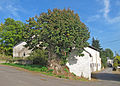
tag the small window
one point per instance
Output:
(24, 54)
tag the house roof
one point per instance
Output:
(94, 48)
(18, 44)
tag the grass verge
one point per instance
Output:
(42, 69)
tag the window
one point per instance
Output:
(24, 54)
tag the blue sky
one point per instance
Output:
(101, 16)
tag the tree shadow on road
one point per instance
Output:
(106, 76)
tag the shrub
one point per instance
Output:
(43, 69)
(66, 70)
(116, 61)
(39, 57)
(50, 70)
(74, 74)
(61, 76)
(4, 57)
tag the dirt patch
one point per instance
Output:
(116, 72)
(2, 61)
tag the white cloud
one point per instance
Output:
(106, 12)
(106, 9)
(93, 18)
(12, 10)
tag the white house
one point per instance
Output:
(109, 61)
(95, 62)
(20, 51)
(83, 66)
(80, 66)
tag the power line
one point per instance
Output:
(111, 42)
(115, 40)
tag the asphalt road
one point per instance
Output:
(108, 75)
(10, 76)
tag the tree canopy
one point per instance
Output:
(116, 61)
(96, 44)
(109, 53)
(1, 27)
(11, 34)
(59, 31)
(103, 53)
(103, 58)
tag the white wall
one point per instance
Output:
(83, 66)
(95, 59)
(80, 66)
(19, 50)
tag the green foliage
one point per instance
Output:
(116, 61)
(4, 57)
(11, 34)
(39, 56)
(59, 31)
(1, 47)
(103, 53)
(115, 64)
(73, 74)
(43, 69)
(1, 27)
(103, 58)
(66, 70)
(96, 44)
(50, 70)
(117, 54)
(109, 53)
(37, 68)
(61, 76)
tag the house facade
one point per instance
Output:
(83, 66)
(20, 51)
(95, 61)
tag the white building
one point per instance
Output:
(109, 61)
(20, 51)
(95, 62)
(80, 66)
(83, 66)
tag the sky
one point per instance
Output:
(102, 17)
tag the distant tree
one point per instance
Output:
(103, 58)
(11, 34)
(59, 31)
(1, 47)
(1, 27)
(109, 53)
(103, 53)
(96, 44)
(117, 54)
(116, 62)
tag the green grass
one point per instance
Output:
(37, 68)
(66, 70)
(41, 69)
